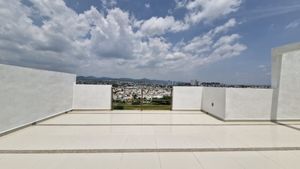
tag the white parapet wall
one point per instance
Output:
(187, 98)
(225, 103)
(92, 97)
(248, 104)
(286, 82)
(28, 95)
(213, 101)
(237, 103)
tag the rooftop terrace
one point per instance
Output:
(151, 139)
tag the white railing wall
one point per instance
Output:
(248, 104)
(214, 101)
(286, 82)
(28, 95)
(92, 97)
(227, 103)
(186, 98)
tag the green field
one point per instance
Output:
(124, 106)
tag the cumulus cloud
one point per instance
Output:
(198, 11)
(48, 34)
(208, 10)
(293, 25)
(160, 25)
(212, 46)
(223, 28)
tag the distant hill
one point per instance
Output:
(109, 80)
(145, 81)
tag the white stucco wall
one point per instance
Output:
(248, 104)
(92, 97)
(186, 98)
(213, 101)
(28, 95)
(286, 82)
(276, 70)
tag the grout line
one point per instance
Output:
(287, 125)
(158, 154)
(159, 158)
(90, 151)
(91, 110)
(122, 158)
(213, 116)
(198, 160)
(70, 125)
(146, 113)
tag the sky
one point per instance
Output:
(226, 41)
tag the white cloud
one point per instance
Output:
(175, 56)
(293, 25)
(48, 34)
(160, 25)
(180, 3)
(226, 40)
(147, 5)
(198, 11)
(224, 28)
(109, 3)
(262, 66)
(203, 49)
(213, 46)
(208, 10)
(272, 10)
(111, 35)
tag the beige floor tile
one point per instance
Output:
(140, 161)
(166, 136)
(157, 119)
(65, 161)
(254, 160)
(217, 160)
(140, 142)
(296, 126)
(200, 142)
(290, 122)
(126, 118)
(165, 142)
(62, 138)
(285, 159)
(80, 119)
(223, 137)
(179, 161)
(90, 111)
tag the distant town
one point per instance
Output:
(136, 91)
(127, 91)
(116, 82)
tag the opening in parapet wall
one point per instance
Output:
(142, 97)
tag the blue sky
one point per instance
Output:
(226, 41)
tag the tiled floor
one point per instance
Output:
(183, 160)
(151, 139)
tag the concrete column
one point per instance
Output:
(286, 82)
